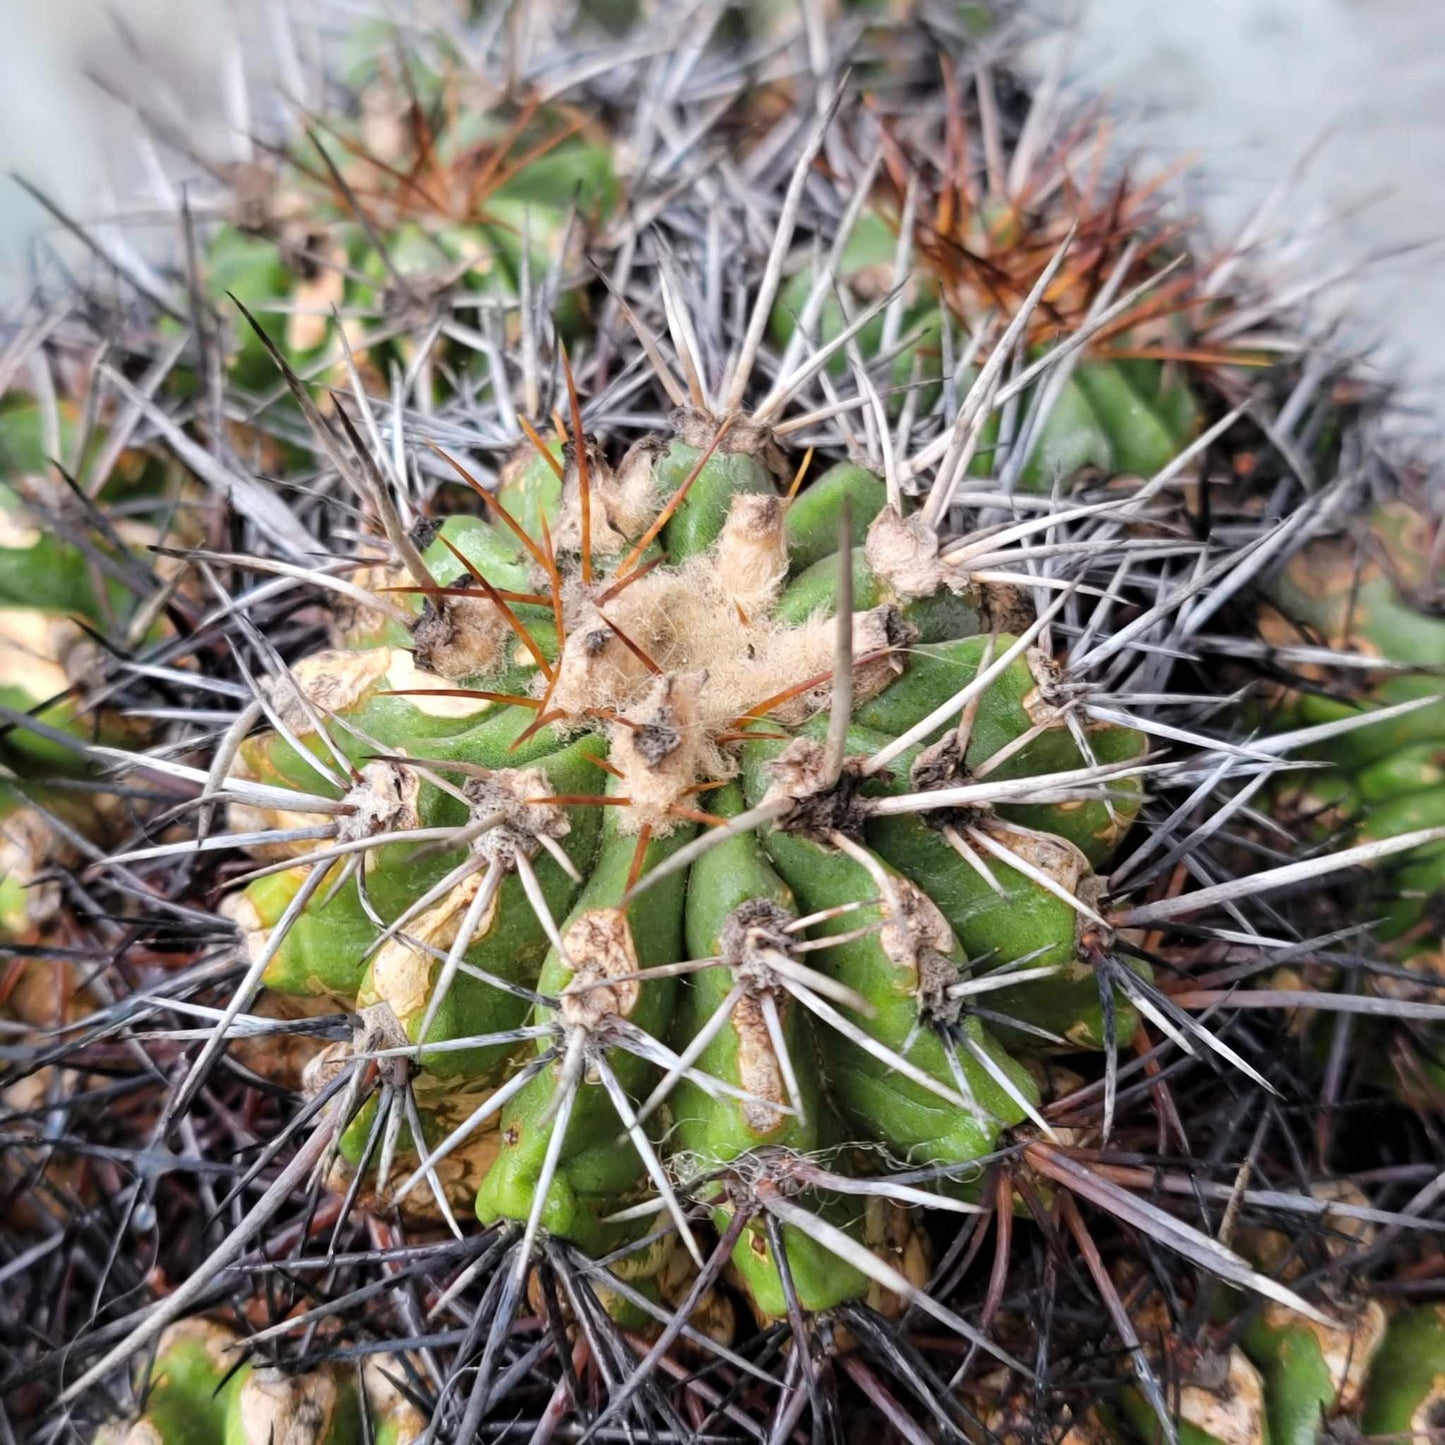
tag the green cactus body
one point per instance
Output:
(1406, 1389)
(644, 688)
(813, 594)
(1415, 769)
(732, 890)
(594, 1172)
(1114, 416)
(736, 876)
(1075, 437)
(270, 1403)
(509, 942)
(1371, 595)
(699, 518)
(252, 269)
(821, 1281)
(461, 543)
(43, 573)
(1293, 1381)
(1313, 1372)
(1140, 430)
(201, 1392)
(53, 592)
(194, 1384)
(811, 527)
(460, 216)
(867, 265)
(900, 1110)
(383, 701)
(530, 492)
(1225, 1405)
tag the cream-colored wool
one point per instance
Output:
(460, 636)
(684, 623)
(287, 1409)
(752, 553)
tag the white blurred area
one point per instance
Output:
(1342, 101)
(1246, 87)
(62, 129)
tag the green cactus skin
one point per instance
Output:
(192, 1388)
(812, 522)
(1230, 1413)
(1293, 1381)
(1407, 1384)
(529, 491)
(268, 1403)
(867, 257)
(199, 1391)
(1383, 1380)
(729, 878)
(820, 1280)
(422, 239)
(698, 520)
(510, 944)
(733, 883)
(813, 594)
(54, 593)
(1312, 1373)
(896, 1109)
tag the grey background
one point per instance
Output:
(1247, 87)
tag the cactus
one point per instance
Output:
(687, 787)
(199, 1390)
(1125, 406)
(1275, 1375)
(589, 755)
(1372, 599)
(1296, 1382)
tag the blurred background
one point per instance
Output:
(1341, 101)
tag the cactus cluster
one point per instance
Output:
(1366, 600)
(679, 720)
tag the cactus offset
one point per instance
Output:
(1373, 600)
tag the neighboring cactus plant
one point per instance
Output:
(1373, 598)
(404, 226)
(1229, 1372)
(1293, 1382)
(200, 1390)
(1119, 406)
